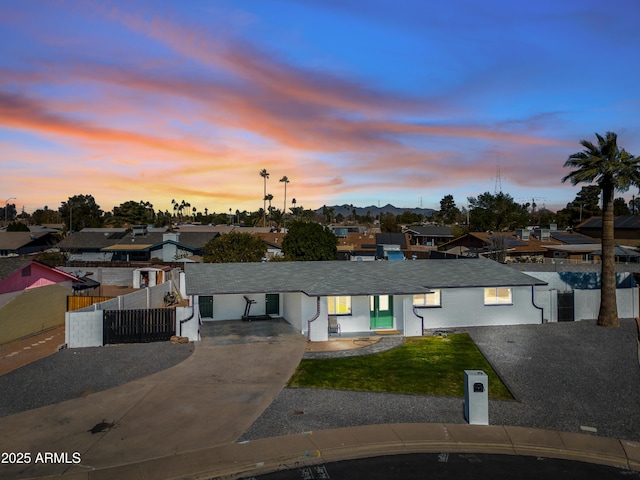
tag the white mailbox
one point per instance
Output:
(476, 397)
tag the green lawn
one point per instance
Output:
(424, 365)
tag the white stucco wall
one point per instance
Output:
(231, 307)
(587, 303)
(464, 307)
(548, 301)
(291, 307)
(360, 318)
(320, 326)
(191, 327)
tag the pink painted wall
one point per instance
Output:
(39, 276)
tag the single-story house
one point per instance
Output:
(523, 245)
(25, 243)
(626, 229)
(365, 297)
(118, 244)
(33, 297)
(429, 235)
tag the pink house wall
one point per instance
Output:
(39, 276)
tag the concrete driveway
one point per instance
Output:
(209, 399)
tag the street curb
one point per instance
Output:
(269, 455)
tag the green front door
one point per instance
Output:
(205, 303)
(381, 311)
(273, 304)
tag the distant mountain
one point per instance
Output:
(346, 210)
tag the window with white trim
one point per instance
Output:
(497, 296)
(427, 299)
(339, 305)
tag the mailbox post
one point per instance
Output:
(476, 397)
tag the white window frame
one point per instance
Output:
(492, 296)
(334, 301)
(428, 300)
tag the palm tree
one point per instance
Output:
(613, 169)
(268, 198)
(264, 174)
(285, 180)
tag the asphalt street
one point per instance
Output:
(448, 466)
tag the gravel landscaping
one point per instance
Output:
(76, 372)
(574, 377)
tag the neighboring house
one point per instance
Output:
(523, 245)
(25, 243)
(32, 297)
(273, 242)
(428, 235)
(626, 229)
(342, 231)
(407, 297)
(117, 244)
(372, 246)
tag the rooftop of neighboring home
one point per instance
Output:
(350, 278)
(536, 241)
(9, 265)
(121, 239)
(13, 241)
(364, 241)
(430, 231)
(623, 222)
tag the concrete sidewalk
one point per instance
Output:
(208, 400)
(21, 352)
(295, 451)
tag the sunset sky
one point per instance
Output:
(356, 102)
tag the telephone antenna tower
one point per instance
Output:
(497, 188)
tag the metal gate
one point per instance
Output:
(565, 307)
(139, 326)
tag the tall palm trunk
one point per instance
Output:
(608, 314)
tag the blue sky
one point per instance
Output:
(355, 102)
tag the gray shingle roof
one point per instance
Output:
(431, 230)
(350, 278)
(98, 240)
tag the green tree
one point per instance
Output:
(44, 216)
(83, 211)
(496, 213)
(8, 212)
(389, 223)
(234, 247)
(309, 241)
(612, 169)
(133, 213)
(409, 218)
(584, 206)
(53, 259)
(17, 227)
(620, 207)
(449, 213)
